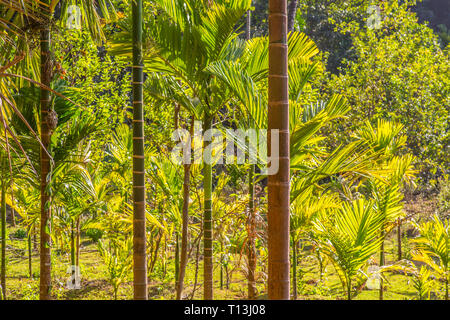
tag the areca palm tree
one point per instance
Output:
(37, 17)
(349, 238)
(433, 248)
(386, 138)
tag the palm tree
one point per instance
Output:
(139, 230)
(45, 251)
(386, 138)
(349, 238)
(278, 183)
(39, 15)
(433, 248)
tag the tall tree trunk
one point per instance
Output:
(251, 249)
(278, 183)
(3, 220)
(292, 11)
(185, 222)
(45, 250)
(139, 230)
(207, 217)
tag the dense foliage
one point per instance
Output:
(368, 127)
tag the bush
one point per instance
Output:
(20, 234)
(94, 234)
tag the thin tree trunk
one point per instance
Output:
(13, 216)
(294, 269)
(72, 243)
(399, 240)
(30, 268)
(381, 296)
(72, 251)
(446, 288)
(207, 218)
(349, 289)
(278, 183)
(77, 236)
(227, 277)
(164, 262)
(177, 259)
(155, 257)
(45, 247)
(185, 221)
(251, 249)
(292, 12)
(248, 24)
(35, 242)
(3, 220)
(221, 264)
(139, 229)
(197, 258)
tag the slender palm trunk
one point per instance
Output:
(77, 242)
(349, 289)
(399, 240)
(251, 249)
(278, 184)
(221, 264)
(207, 218)
(72, 244)
(185, 223)
(72, 251)
(292, 11)
(446, 288)
(30, 268)
(3, 220)
(177, 259)
(13, 216)
(248, 24)
(197, 258)
(382, 262)
(294, 268)
(45, 250)
(139, 230)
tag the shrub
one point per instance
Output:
(94, 234)
(20, 234)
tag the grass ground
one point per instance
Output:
(94, 284)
